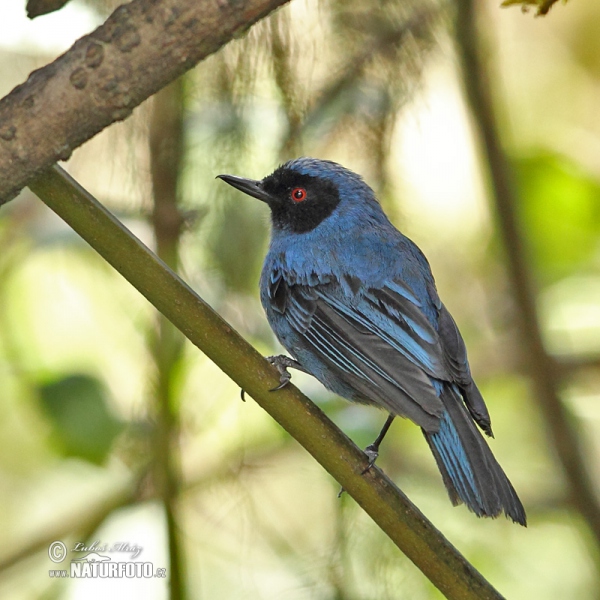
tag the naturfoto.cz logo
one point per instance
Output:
(96, 564)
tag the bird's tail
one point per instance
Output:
(470, 472)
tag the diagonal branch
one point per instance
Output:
(143, 46)
(375, 493)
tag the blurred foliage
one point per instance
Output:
(561, 215)
(83, 425)
(338, 80)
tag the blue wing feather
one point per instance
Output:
(364, 342)
(381, 346)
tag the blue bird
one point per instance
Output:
(354, 302)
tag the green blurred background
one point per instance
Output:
(92, 382)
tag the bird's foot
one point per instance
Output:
(372, 452)
(282, 363)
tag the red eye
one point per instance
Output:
(298, 194)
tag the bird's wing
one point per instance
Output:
(455, 353)
(378, 342)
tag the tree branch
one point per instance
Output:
(143, 46)
(379, 497)
(542, 368)
(166, 156)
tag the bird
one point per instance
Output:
(354, 302)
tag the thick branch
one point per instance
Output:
(142, 47)
(378, 496)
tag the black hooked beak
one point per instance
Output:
(248, 186)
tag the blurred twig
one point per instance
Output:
(166, 153)
(543, 6)
(134, 489)
(354, 67)
(543, 369)
(281, 55)
(80, 521)
(379, 497)
(573, 363)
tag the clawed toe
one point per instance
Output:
(283, 381)
(281, 363)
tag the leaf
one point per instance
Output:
(36, 8)
(82, 422)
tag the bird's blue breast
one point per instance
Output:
(354, 254)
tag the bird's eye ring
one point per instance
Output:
(298, 194)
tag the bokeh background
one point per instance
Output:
(92, 381)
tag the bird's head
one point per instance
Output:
(304, 192)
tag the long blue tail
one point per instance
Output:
(470, 472)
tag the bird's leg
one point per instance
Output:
(282, 363)
(372, 450)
